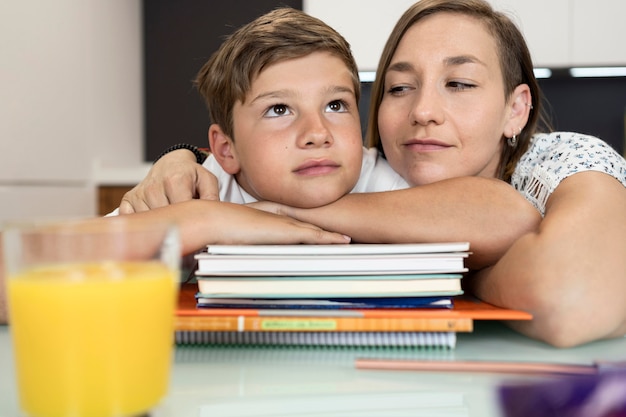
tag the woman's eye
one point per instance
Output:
(459, 86)
(277, 110)
(337, 106)
(397, 89)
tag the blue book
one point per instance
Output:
(206, 301)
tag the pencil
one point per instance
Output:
(476, 366)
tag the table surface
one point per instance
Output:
(212, 381)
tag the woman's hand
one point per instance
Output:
(174, 178)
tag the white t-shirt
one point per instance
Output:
(376, 175)
(552, 157)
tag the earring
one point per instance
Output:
(512, 141)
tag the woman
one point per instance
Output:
(456, 105)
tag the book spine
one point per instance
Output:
(321, 324)
(319, 339)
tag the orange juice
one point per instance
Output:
(92, 339)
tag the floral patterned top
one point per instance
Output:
(552, 157)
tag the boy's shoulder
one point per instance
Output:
(377, 174)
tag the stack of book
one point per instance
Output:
(330, 295)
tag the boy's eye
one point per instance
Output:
(337, 106)
(277, 110)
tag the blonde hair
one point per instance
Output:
(279, 35)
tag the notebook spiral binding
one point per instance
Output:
(330, 339)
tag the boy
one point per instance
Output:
(282, 93)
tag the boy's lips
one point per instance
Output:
(316, 167)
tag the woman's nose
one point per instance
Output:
(427, 107)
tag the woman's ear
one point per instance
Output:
(223, 149)
(520, 105)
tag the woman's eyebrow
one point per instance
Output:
(455, 61)
(452, 61)
(401, 66)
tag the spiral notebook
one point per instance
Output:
(318, 339)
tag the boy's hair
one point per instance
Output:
(279, 35)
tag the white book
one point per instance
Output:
(335, 287)
(310, 265)
(348, 249)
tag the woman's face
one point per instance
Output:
(443, 112)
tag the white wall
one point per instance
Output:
(559, 32)
(70, 98)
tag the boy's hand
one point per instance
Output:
(174, 178)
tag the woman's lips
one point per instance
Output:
(425, 145)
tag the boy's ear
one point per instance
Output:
(223, 149)
(520, 105)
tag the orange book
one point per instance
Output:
(458, 319)
(247, 323)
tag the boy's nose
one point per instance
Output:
(315, 133)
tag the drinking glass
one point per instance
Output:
(91, 310)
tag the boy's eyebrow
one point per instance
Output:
(273, 93)
(341, 89)
(335, 89)
(452, 61)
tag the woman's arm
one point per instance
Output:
(488, 213)
(174, 178)
(571, 273)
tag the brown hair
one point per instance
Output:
(279, 35)
(515, 63)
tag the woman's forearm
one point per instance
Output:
(571, 273)
(488, 213)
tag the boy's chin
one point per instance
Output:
(309, 202)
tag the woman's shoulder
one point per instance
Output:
(570, 148)
(543, 142)
(552, 157)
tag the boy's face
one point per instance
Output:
(297, 137)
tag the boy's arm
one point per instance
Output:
(203, 222)
(175, 177)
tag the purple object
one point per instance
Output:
(599, 395)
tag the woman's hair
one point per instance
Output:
(279, 35)
(515, 62)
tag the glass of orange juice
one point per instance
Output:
(91, 309)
